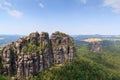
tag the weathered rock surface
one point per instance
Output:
(96, 47)
(32, 54)
(63, 47)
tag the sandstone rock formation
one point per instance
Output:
(31, 54)
(63, 47)
(94, 44)
(96, 47)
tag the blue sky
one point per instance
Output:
(69, 16)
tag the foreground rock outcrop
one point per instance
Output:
(32, 54)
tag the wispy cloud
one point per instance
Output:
(7, 4)
(41, 5)
(84, 1)
(15, 13)
(114, 4)
(7, 7)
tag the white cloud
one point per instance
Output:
(84, 1)
(41, 5)
(4, 3)
(15, 13)
(114, 4)
(7, 7)
(7, 4)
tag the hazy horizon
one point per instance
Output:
(73, 17)
(63, 32)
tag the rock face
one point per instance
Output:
(34, 53)
(9, 58)
(63, 47)
(96, 47)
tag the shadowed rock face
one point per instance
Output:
(32, 54)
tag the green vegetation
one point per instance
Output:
(30, 48)
(86, 65)
(71, 43)
(34, 48)
(61, 34)
(4, 78)
(42, 48)
(108, 60)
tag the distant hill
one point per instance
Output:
(85, 39)
(103, 37)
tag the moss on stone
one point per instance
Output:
(61, 34)
(71, 43)
(30, 48)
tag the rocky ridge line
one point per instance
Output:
(32, 54)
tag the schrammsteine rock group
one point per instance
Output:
(32, 54)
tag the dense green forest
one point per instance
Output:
(87, 65)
